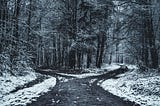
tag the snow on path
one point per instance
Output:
(85, 75)
(94, 72)
(110, 67)
(27, 95)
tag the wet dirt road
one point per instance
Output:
(79, 92)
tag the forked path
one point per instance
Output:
(79, 92)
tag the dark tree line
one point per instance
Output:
(141, 24)
(79, 33)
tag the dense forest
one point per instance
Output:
(79, 33)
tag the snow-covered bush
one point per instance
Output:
(21, 65)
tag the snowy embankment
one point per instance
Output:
(143, 89)
(9, 82)
(94, 71)
(27, 95)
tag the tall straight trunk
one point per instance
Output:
(16, 15)
(89, 58)
(63, 51)
(3, 19)
(79, 60)
(110, 58)
(101, 47)
(37, 53)
(143, 47)
(43, 53)
(101, 52)
(15, 42)
(117, 55)
(54, 51)
(29, 21)
(75, 17)
(59, 51)
(72, 59)
(122, 60)
(89, 53)
(39, 46)
(153, 49)
(98, 50)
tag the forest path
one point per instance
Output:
(79, 92)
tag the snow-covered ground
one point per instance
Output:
(143, 89)
(104, 67)
(110, 67)
(63, 79)
(27, 95)
(85, 75)
(9, 82)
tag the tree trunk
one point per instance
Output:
(3, 18)
(15, 42)
(29, 22)
(102, 40)
(89, 58)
